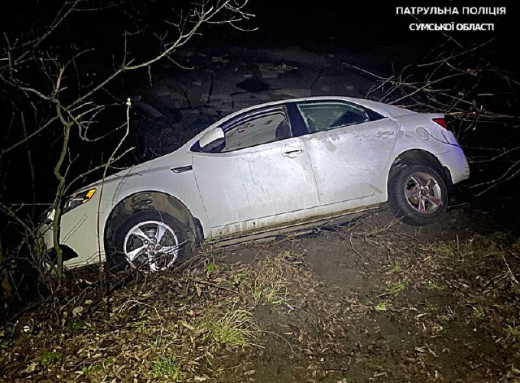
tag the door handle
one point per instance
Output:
(182, 169)
(292, 153)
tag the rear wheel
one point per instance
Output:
(149, 241)
(418, 194)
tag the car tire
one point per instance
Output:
(149, 241)
(418, 194)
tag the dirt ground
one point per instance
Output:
(378, 304)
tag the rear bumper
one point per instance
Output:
(456, 163)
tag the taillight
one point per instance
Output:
(441, 122)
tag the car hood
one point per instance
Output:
(178, 158)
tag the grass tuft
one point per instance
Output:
(167, 367)
(235, 328)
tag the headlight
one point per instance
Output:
(78, 199)
(47, 217)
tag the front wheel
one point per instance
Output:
(418, 194)
(149, 241)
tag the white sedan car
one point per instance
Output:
(277, 166)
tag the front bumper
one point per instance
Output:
(78, 238)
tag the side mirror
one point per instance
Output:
(211, 139)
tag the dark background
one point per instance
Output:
(371, 24)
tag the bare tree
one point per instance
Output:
(59, 85)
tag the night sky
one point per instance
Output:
(365, 23)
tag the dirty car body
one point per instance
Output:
(269, 167)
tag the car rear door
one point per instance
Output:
(349, 147)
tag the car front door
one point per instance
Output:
(257, 177)
(348, 146)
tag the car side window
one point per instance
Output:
(327, 115)
(255, 130)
